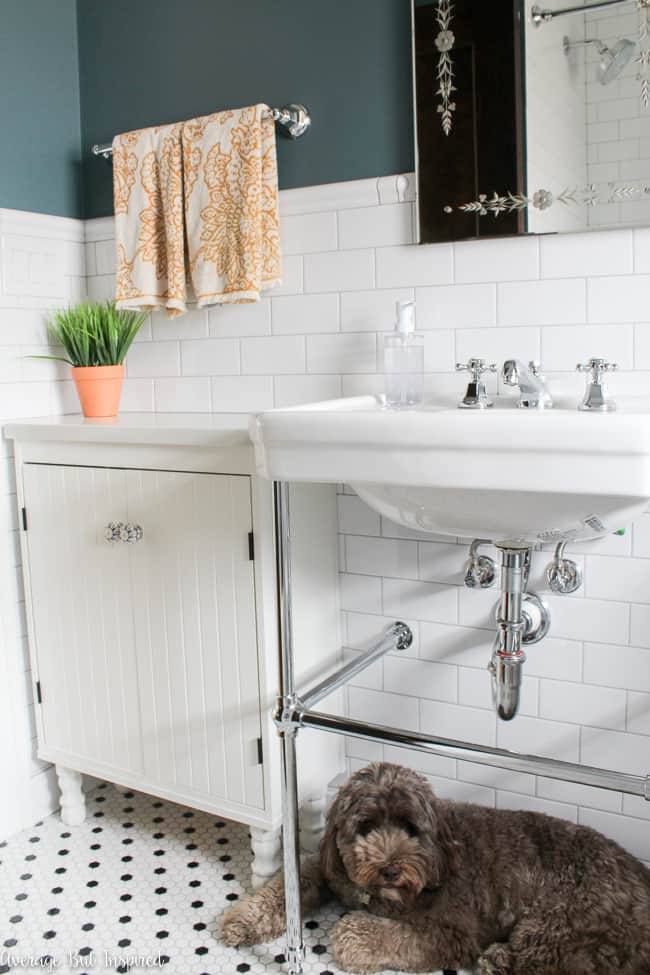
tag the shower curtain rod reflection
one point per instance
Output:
(294, 118)
(542, 16)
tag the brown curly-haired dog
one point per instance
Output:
(438, 885)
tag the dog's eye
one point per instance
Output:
(365, 827)
(408, 827)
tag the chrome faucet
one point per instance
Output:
(533, 392)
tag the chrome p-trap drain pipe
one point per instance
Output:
(522, 618)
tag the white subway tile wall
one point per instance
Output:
(347, 260)
(42, 265)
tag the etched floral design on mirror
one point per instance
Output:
(444, 42)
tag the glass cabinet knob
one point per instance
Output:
(123, 531)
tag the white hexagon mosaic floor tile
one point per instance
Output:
(138, 887)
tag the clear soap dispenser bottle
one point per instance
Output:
(404, 360)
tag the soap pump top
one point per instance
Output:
(405, 324)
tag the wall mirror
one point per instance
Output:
(531, 118)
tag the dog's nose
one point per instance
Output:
(390, 873)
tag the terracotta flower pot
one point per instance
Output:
(99, 388)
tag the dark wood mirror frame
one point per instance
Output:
(485, 147)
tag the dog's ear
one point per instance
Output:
(446, 847)
(329, 855)
(337, 815)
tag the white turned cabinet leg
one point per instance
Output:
(267, 854)
(73, 801)
(312, 822)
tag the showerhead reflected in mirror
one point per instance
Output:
(531, 119)
(612, 59)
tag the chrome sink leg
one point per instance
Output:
(521, 618)
(288, 729)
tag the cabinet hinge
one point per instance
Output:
(251, 547)
(39, 696)
(260, 752)
(23, 518)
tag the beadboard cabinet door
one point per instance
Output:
(82, 615)
(147, 652)
(196, 636)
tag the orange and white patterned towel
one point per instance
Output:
(231, 205)
(149, 219)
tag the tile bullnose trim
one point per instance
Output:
(329, 196)
(345, 195)
(26, 223)
(99, 228)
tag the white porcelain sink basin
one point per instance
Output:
(504, 474)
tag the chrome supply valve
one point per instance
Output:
(564, 576)
(476, 397)
(533, 392)
(596, 398)
(480, 570)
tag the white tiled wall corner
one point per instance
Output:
(347, 261)
(42, 266)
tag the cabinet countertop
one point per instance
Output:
(185, 429)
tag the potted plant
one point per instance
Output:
(95, 338)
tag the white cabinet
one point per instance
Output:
(154, 660)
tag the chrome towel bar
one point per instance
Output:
(294, 118)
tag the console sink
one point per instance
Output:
(502, 474)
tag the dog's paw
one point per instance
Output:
(237, 927)
(356, 942)
(496, 960)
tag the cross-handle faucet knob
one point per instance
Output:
(596, 367)
(596, 398)
(476, 397)
(476, 367)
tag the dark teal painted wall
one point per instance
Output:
(145, 62)
(40, 138)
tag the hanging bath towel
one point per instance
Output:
(149, 219)
(231, 205)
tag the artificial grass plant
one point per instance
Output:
(94, 333)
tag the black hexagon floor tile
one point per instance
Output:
(137, 887)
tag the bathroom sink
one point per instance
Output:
(503, 474)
